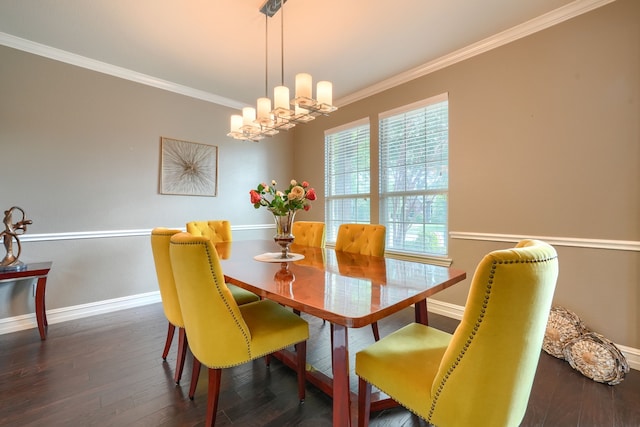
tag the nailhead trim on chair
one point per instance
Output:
(247, 339)
(476, 327)
(213, 274)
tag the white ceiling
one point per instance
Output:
(218, 46)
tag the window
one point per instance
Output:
(414, 176)
(348, 176)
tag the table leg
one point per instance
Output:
(421, 312)
(340, 362)
(41, 313)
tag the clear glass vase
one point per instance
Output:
(283, 237)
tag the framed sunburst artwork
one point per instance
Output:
(188, 168)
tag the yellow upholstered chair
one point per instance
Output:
(365, 239)
(215, 230)
(221, 333)
(308, 233)
(482, 374)
(220, 231)
(160, 238)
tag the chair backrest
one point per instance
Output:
(218, 334)
(365, 239)
(160, 238)
(308, 233)
(215, 230)
(488, 368)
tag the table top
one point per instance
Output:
(347, 289)
(32, 269)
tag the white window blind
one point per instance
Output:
(348, 176)
(414, 176)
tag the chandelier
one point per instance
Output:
(256, 123)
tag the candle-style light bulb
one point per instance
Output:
(248, 116)
(324, 92)
(264, 109)
(303, 85)
(236, 122)
(281, 97)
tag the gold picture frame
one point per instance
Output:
(188, 168)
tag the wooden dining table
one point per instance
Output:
(348, 290)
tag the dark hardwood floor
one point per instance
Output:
(107, 370)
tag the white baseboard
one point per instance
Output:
(455, 312)
(58, 315)
(445, 309)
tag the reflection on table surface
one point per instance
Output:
(349, 289)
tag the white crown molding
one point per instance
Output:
(532, 26)
(571, 10)
(620, 245)
(113, 70)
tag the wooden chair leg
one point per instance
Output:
(301, 353)
(212, 397)
(182, 353)
(195, 373)
(331, 333)
(376, 332)
(364, 402)
(167, 344)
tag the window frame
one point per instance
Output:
(358, 197)
(385, 194)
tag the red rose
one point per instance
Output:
(255, 197)
(307, 207)
(305, 184)
(311, 194)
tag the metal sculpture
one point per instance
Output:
(11, 232)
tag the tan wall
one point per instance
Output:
(544, 141)
(80, 152)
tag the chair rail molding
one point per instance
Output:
(79, 235)
(620, 245)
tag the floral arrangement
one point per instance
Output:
(297, 196)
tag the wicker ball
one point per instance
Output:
(563, 326)
(597, 358)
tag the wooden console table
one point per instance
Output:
(33, 270)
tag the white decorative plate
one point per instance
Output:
(276, 257)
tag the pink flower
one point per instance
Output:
(307, 207)
(305, 184)
(311, 194)
(255, 197)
